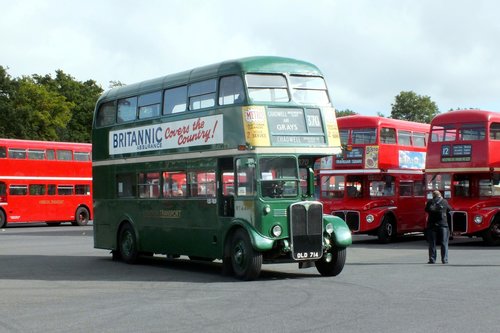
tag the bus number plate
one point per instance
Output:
(307, 255)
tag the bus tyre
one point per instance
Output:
(335, 265)
(81, 216)
(491, 236)
(245, 261)
(127, 244)
(3, 221)
(387, 230)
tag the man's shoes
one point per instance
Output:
(431, 262)
(445, 262)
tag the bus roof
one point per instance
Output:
(257, 64)
(465, 116)
(360, 121)
(17, 143)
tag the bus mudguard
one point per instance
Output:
(259, 242)
(341, 233)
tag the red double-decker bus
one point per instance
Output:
(45, 182)
(377, 183)
(463, 162)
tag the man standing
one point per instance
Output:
(437, 226)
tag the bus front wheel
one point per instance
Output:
(127, 244)
(492, 236)
(81, 216)
(245, 261)
(387, 230)
(332, 262)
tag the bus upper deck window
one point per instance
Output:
(127, 109)
(309, 90)
(149, 105)
(404, 138)
(64, 155)
(494, 131)
(472, 132)
(387, 135)
(36, 154)
(106, 114)
(440, 134)
(202, 94)
(267, 88)
(231, 90)
(3, 152)
(175, 100)
(17, 153)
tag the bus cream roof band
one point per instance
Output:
(461, 170)
(208, 154)
(45, 178)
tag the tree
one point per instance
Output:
(82, 95)
(7, 86)
(343, 113)
(36, 113)
(412, 107)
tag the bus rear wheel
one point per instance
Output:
(127, 244)
(245, 261)
(3, 221)
(332, 262)
(387, 230)
(81, 216)
(492, 236)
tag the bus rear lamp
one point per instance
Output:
(369, 218)
(328, 257)
(478, 219)
(267, 209)
(329, 228)
(276, 230)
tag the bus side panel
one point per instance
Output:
(179, 226)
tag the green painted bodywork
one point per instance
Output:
(190, 225)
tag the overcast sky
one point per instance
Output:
(368, 50)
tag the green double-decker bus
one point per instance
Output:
(217, 163)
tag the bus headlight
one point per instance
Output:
(276, 230)
(267, 209)
(329, 228)
(478, 219)
(369, 218)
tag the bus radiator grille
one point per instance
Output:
(306, 221)
(459, 222)
(351, 218)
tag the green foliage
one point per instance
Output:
(412, 107)
(343, 113)
(46, 108)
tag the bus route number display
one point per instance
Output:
(456, 153)
(293, 126)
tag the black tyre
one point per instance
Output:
(387, 230)
(245, 261)
(127, 244)
(491, 236)
(335, 265)
(3, 220)
(82, 216)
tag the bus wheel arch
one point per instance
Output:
(240, 257)
(387, 230)
(82, 216)
(127, 248)
(3, 219)
(491, 236)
